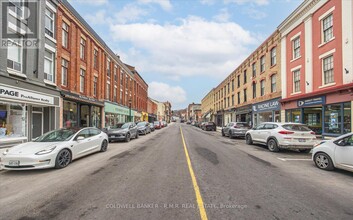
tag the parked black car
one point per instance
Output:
(143, 128)
(209, 126)
(122, 132)
(235, 129)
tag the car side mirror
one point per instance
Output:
(80, 138)
(341, 143)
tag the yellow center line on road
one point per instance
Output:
(194, 182)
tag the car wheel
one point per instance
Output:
(305, 151)
(104, 146)
(127, 138)
(137, 135)
(272, 145)
(63, 159)
(230, 135)
(323, 161)
(248, 139)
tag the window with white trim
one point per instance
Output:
(82, 80)
(296, 81)
(273, 83)
(64, 70)
(296, 47)
(16, 7)
(262, 64)
(328, 70)
(108, 67)
(49, 66)
(82, 49)
(327, 28)
(49, 22)
(14, 55)
(262, 87)
(107, 96)
(65, 35)
(273, 56)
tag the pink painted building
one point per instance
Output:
(316, 66)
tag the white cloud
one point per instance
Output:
(223, 15)
(130, 12)
(164, 4)
(207, 2)
(91, 2)
(99, 17)
(254, 13)
(195, 47)
(242, 2)
(165, 92)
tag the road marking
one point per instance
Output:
(292, 159)
(194, 181)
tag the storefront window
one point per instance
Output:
(85, 117)
(70, 114)
(312, 118)
(96, 116)
(332, 119)
(293, 115)
(347, 117)
(277, 117)
(13, 120)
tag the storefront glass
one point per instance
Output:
(293, 116)
(13, 120)
(313, 118)
(70, 114)
(347, 120)
(96, 116)
(84, 116)
(332, 119)
(277, 116)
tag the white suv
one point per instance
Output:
(282, 135)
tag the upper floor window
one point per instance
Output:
(245, 76)
(16, 8)
(49, 66)
(262, 64)
(273, 83)
(254, 90)
(296, 81)
(228, 88)
(328, 70)
(95, 59)
(108, 67)
(245, 96)
(238, 77)
(65, 35)
(327, 27)
(14, 56)
(232, 100)
(64, 71)
(95, 84)
(82, 80)
(82, 48)
(296, 48)
(273, 56)
(49, 22)
(254, 70)
(262, 87)
(233, 85)
(107, 96)
(115, 74)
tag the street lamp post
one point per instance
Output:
(129, 110)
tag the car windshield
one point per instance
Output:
(295, 127)
(57, 135)
(119, 125)
(126, 125)
(141, 124)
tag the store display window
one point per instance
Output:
(13, 120)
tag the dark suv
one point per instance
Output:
(209, 126)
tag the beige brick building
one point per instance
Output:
(207, 106)
(251, 92)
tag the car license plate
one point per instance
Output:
(301, 140)
(113, 136)
(14, 163)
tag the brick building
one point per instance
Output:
(152, 110)
(207, 106)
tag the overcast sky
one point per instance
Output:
(184, 48)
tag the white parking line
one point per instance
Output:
(291, 159)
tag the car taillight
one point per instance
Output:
(286, 132)
(313, 133)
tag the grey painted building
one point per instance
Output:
(29, 98)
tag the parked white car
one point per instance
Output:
(335, 153)
(278, 136)
(55, 149)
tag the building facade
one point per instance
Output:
(194, 112)
(317, 84)
(168, 111)
(29, 98)
(207, 106)
(152, 110)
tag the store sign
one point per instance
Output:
(81, 98)
(270, 105)
(17, 94)
(312, 101)
(117, 109)
(243, 110)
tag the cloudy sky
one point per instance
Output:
(184, 48)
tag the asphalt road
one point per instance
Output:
(149, 178)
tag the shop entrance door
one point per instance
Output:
(85, 116)
(37, 123)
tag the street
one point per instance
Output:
(149, 178)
